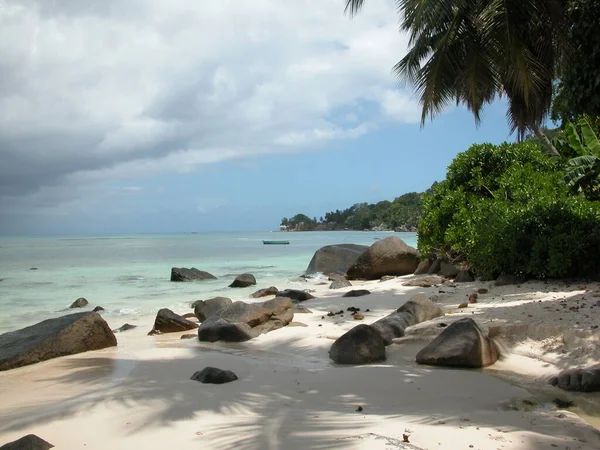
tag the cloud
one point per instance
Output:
(130, 89)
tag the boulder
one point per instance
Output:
(356, 293)
(241, 321)
(265, 292)
(29, 442)
(505, 280)
(193, 274)
(66, 335)
(212, 375)
(389, 256)
(243, 280)
(435, 267)
(335, 258)
(79, 303)
(124, 327)
(464, 276)
(98, 309)
(362, 344)
(586, 379)
(423, 267)
(416, 310)
(448, 269)
(295, 294)
(205, 308)
(339, 283)
(168, 322)
(461, 344)
(425, 282)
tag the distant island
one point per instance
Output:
(401, 214)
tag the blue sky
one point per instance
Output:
(149, 116)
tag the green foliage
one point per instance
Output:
(506, 209)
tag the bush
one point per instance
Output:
(505, 209)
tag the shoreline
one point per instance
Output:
(290, 395)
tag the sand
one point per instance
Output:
(290, 396)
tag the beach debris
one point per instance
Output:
(405, 437)
(482, 291)
(188, 336)
(79, 303)
(212, 375)
(168, 322)
(272, 290)
(358, 316)
(359, 409)
(98, 309)
(367, 310)
(463, 305)
(124, 327)
(29, 442)
(356, 293)
(462, 344)
(181, 274)
(353, 309)
(34, 268)
(243, 280)
(473, 298)
(563, 403)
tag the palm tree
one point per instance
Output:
(474, 51)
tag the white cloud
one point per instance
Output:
(127, 89)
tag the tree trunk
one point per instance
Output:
(551, 148)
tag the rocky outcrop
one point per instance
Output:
(425, 282)
(361, 345)
(243, 280)
(212, 375)
(356, 293)
(335, 258)
(295, 294)
(416, 310)
(448, 270)
(205, 308)
(389, 256)
(461, 344)
(79, 303)
(583, 379)
(423, 267)
(193, 274)
(241, 321)
(66, 335)
(464, 276)
(168, 322)
(29, 442)
(265, 292)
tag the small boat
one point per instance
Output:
(276, 242)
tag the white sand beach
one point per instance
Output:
(289, 394)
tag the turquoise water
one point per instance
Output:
(128, 275)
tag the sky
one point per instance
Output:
(153, 116)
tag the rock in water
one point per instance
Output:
(461, 344)
(66, 335)
(29, 442)
(265, 292)
(335, 259)
(295, 294)
(205, 308)
(356, 293)
(243, 280)
(389, 256)
(212, 375)
(168, 322)
(79, 303)
(416, 310)
(362, 344)
(98, 309)
(586, 379)
(124, 327)
(193, 274)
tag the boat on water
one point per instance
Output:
(276, 242)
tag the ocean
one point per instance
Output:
(129, 275)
